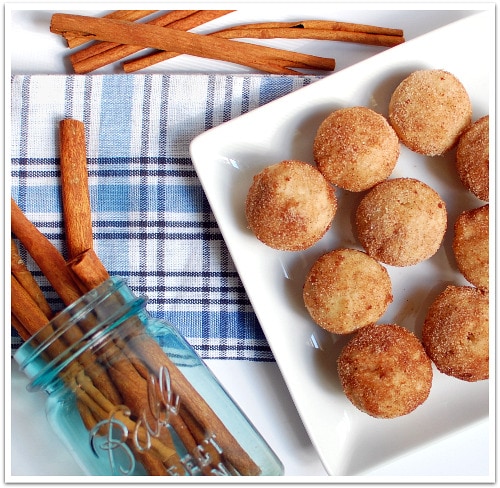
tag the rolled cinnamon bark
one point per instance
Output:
(46, 256)
(74, 184)
(98, 53)
(263, 58)
(23, 275)
(130, 15)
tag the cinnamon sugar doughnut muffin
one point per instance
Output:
(290, 205)
(429, 110)
(455, 333)
(384, 371)
(473, 158)
(346, 289)
(401, 222)
(471, 245)
(355, 148)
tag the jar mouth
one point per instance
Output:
(62, 340)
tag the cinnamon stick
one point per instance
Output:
(77, 212)
(88, 270)
(147, 60)
(331, 25)
(31, 319)
(25, 309)
(86, 414)
(308, 29)
(102, 53)
(19, 327)
(200, 437)
(75, 40)
(155, 358)
(318, 34)
(25, 278)
(30, 316)
(74, 184)
(46, 256)
(263, 58)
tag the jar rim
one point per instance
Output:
(35, 338)
(30, 356)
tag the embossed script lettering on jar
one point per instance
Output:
(110, 437)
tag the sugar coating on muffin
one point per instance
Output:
(471, 245)
(473, 158)
(355, 148)
(401, 221)
(346, 289)
(456, 333)
(290, 205)
(384, 371)
(429, 110)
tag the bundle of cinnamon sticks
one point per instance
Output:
(118, 35)
(100, 392)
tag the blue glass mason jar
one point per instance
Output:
(129, 396)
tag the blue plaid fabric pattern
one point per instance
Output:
(152, 223)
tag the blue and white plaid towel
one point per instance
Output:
(152, 223)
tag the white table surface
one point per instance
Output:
(32, 449)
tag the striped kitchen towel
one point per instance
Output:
(152, 223)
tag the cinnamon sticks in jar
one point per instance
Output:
(102, 392)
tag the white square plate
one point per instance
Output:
(226, 158)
